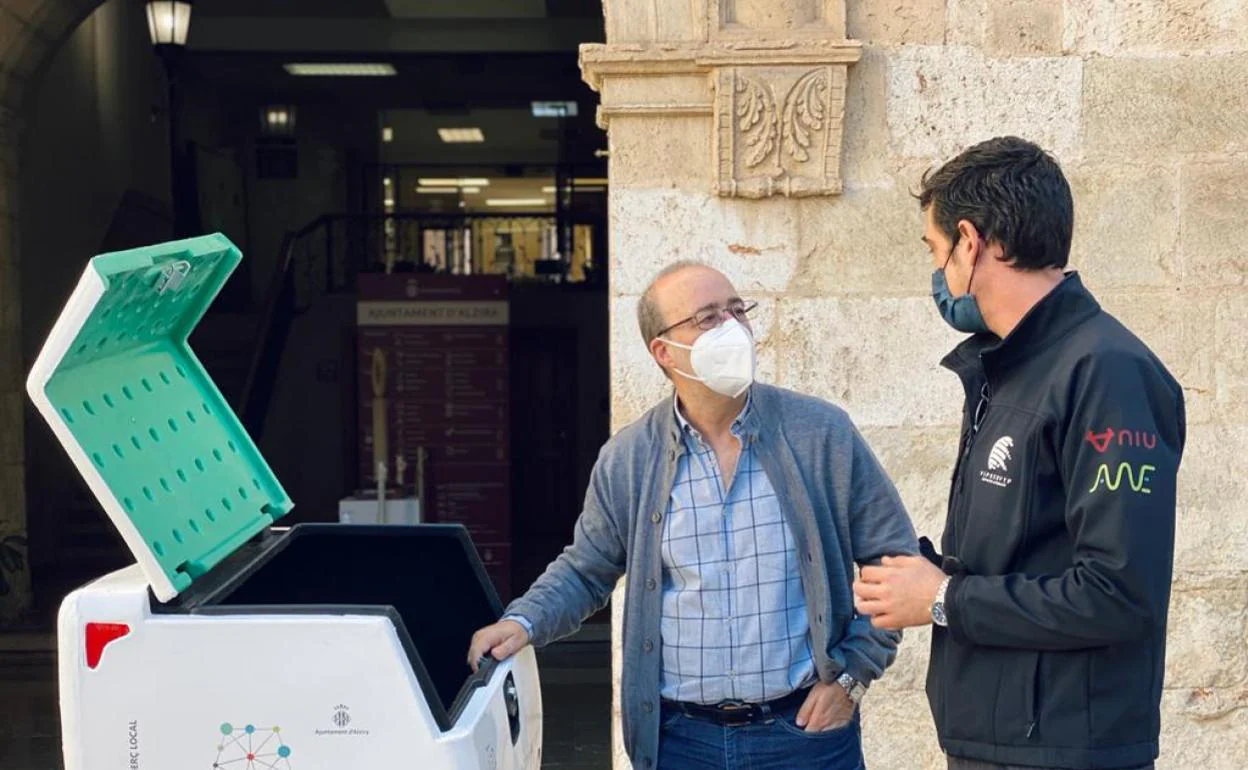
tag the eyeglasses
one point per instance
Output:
(709, 317)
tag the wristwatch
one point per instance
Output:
(939, 616)
(853, 688)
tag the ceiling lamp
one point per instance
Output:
(277, 120)
(461, 135)
(439, 182)
(499, 202)
(340, 69)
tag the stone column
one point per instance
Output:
(14, 566)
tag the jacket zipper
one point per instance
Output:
(1033, 714)
(959, 482)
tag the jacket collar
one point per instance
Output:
(1067, 306)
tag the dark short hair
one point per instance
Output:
(1014, 193)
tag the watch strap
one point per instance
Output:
(940, 614)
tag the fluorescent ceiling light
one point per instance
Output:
(470, 182)
(438, 190)
(387, 134)
(515, 202)
(340, 69)
(597, 188)
(554, 109)
(461, 135)
(470, 190)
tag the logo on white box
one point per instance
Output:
(342, 720)
(342, 716)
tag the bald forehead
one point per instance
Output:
(686, 274)
(689, 289)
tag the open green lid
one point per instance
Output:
(144, 423)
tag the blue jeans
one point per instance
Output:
(686, 743)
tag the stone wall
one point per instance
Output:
(1146, 107)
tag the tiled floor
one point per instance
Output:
(576, 696)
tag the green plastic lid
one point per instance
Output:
(144, 423)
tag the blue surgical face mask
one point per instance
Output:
(962, 312)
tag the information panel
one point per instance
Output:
(433, 382)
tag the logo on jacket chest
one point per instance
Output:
(999, 457)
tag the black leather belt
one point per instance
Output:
(732, 713)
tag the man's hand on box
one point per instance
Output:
(501, 640)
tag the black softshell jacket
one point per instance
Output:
(1060, 535)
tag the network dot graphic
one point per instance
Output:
(251, 748)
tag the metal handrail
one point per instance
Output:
(282, 302)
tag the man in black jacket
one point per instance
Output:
(1049, 602)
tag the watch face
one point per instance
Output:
(938, 615)
(852, 688)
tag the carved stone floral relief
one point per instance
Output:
(778, 130)
(777, 106)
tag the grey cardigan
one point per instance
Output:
(841, 507)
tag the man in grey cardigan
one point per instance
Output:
(738, 511)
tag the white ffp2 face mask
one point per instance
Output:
(722, 358)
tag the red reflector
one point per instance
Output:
(99, 636)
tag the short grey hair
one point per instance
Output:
(649, 318)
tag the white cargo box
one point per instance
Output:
(232, 643)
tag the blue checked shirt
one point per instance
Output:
(734, 624)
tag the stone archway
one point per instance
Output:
(30, 32)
